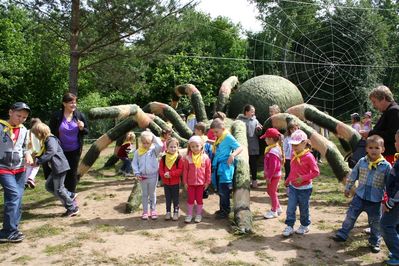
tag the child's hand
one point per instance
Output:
(267, 181)
(167, 175)
(185, 186)
(230, 160)
(81, 125)
(206, 186)
(28, 159)
(299, 180)
(347, 193)
(384, 208)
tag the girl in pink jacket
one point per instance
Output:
(274, 158)
(196, 176)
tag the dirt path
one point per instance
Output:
(104, 234)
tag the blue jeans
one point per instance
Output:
(224, 197)
(373, 210)
(390, 229)
(127, 165)
(298, 197)
(14, 186)
(55, 185)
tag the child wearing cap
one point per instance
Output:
(225, 149)
(196, 176)
(274, 158)
(367, 121)
(355, 120)
(13, 157)
(303, 169)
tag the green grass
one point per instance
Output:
(110, 228)
(264, 256)
(61, 248)
(23, 260)
(46, 230)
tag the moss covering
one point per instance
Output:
(262, 92)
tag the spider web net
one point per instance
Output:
(331, 60)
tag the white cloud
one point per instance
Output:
(239, 11)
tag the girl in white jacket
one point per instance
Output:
(145, 167)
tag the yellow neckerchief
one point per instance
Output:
(170, 159)
(197, 159)
(268, 148)
(300, 155)
(127, 142)
(42, 147)
(190, 117)
(373, 164)
(9, 128)
(396, 156)
(141, 150)
(219, 140)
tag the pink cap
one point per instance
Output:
(298, 136)
(196, 139)
(271, 133)
(368, 113)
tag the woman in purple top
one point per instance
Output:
(69, 126)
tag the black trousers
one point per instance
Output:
(71, 179)
(253, 166)
(172, 194)
(287, 168)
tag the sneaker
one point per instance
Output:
(288, 231)
(16, 237)
(175, 216)
(188, 219)
(71, 213)
(392, 261)
(338, 238)
(31, 183)
(254, 184)
(154, 215)
(270, 215)
(198, 218)
(375, 248)
(279, 211)
(221, 215)
(144, 216)
(168, 216)
(302, 230)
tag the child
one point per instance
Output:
(390, 216)
(225, 149)
(123, 154)
(14, 155)
(303, 169)
(272, 169)
(52, 154)
(145, 167)
(191, 120)
(274, 109)
(291, 128)
(199, 130)
(372, 172)
(253, 131)
(211, 136)
(367, 121)
(165, 135)
(34, 147)
(196, 176)
(170, 170)
(355, 120)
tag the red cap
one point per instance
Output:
(271, 133)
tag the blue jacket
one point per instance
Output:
(220, 167)
(392, 187)
(371, 182)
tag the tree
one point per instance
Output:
(97, 31)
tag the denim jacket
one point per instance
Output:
(371, 182)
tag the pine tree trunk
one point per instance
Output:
(195, 98)
(134, 200)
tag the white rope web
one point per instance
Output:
(327, 64)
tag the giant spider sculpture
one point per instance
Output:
(262, 92)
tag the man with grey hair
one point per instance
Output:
(381, 98)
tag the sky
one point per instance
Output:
(239, 11)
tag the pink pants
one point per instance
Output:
(272, 191)
(194, 193)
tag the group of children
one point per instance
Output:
(359, 123)
(195, 170)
